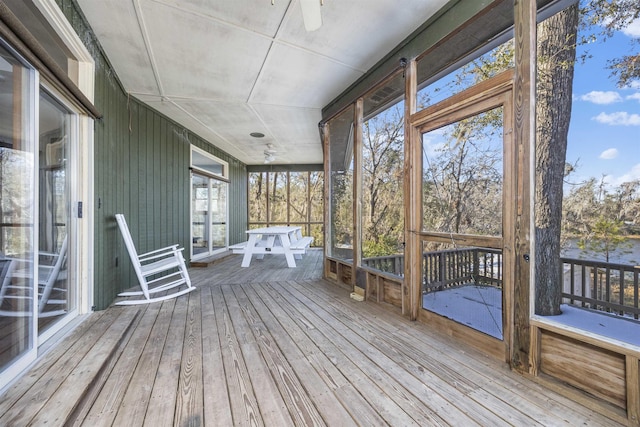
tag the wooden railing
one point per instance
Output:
(393, 264)
(601, 286)
(456, 267)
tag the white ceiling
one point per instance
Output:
(226, 68)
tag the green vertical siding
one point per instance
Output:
(141, 162)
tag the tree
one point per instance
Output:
(463, 177)
(612, 16)
(382, 182)
(556, 54)
(557, 39)
(605, 237)
(601, 217)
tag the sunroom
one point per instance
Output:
(470, 167)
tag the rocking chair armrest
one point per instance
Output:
(167, 249)
(160, 253)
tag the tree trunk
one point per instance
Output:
(556, 58)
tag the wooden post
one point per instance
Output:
(633, 389)
(326, 212)
(524, 140)
(356, 239)
(412, 285)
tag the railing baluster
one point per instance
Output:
(584, 284)
(635, 292)
(621, 291)
(572, 268)
(607, 288)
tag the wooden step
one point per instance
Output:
(213, 259)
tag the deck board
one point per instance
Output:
(217, 406)
(270, 345)
(132, 408)
(170, 340)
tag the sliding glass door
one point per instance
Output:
(38, 139)
(209, 189)
(208, 216)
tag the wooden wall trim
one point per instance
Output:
(586, 337)
(480, 92)
(462, 333)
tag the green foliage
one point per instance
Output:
(601, 19)
(385, 245)
(606, 237)
(602, 216)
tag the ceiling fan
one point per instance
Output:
(269, 154)
(311, 14)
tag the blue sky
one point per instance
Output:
(604, 137)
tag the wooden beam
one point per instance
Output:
(523, 138)
(412, 286)
(326, 212)
(357, 188)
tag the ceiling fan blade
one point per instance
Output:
(311, 14)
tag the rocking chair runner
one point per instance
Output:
(151, 264)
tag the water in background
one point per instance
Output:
(627, 255)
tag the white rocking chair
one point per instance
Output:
(151, 264)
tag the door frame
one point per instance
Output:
(492, 93)
(210, 175)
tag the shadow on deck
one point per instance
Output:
(269, 345)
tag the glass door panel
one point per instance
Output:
(199, 214)
(17, 213)
(218, 215)
(57, 294)
(208, 216)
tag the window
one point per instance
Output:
(208, 164)
(341, 130)
(287, 198)
(382, 239)
(588, 198)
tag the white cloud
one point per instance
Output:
(635, 96)
(635, 84)
(599, 97)
(633, 30)
(609, 154)
(632, 175)
(621, 118)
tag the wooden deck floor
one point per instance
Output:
(273, 346)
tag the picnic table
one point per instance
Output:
(286, 240)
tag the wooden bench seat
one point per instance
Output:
(239, 248)
(302, 244)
